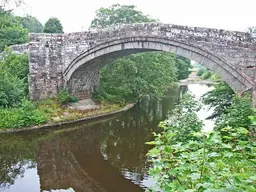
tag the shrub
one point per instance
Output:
(219, 99)
(215, 77)
(236, 115)
(186, 159)
(13, 78)
(25, 115)
(64, 97)
(11, 90)
(201, 71)
(206, 75)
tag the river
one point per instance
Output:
(103, 156)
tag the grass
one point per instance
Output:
(67, 114)
(48, 111)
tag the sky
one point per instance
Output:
(76, 15)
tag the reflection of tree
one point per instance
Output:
(10, 171)
(57, 163)
(183, 90)
(16, 155)
(125, 145)
(77, 157)
(73, 159)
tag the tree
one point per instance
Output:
(53, 25)
(13, 78)
(31, 24)
(11, 30)
(118, 14)
(251, 30)
(139, 74)
(184, 65)
(6, 6)
(219, 99)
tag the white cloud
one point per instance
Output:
(76, 15)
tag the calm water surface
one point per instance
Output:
(104, 156)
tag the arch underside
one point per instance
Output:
(95, 58)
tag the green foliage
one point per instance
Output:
(23, 116)
(13, 78)
(11, 30)
(185, 111)
(184, 65)
(31, 24)
(130, 77)
(186, 159)
(15, 64)
(236, 115)
(118, 14)
(229, 110)
(201, 71)
(220, 99)
(53, 25)
(215, 77)
(64, 97)
(251, 30)
(11, 90)
(206, 75)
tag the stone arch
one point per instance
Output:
(106, 52)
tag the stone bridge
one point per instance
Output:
(74, 60)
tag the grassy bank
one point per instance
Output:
(47, 111)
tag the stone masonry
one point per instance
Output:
(73, 60)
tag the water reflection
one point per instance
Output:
(198, 91)
(107, 156)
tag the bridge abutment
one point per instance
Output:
(45, 65)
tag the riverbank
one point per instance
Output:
(67, 115)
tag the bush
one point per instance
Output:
(219, 99)
(13, 78)
(24, 116)
(186, 159)
(11, 30)
(236, 115)
(183, 65)
(206, 75)
(64, 97)
(201, 71)
(11, 90)
(229, 110)
(215, 77)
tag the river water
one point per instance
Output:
(104, 156)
